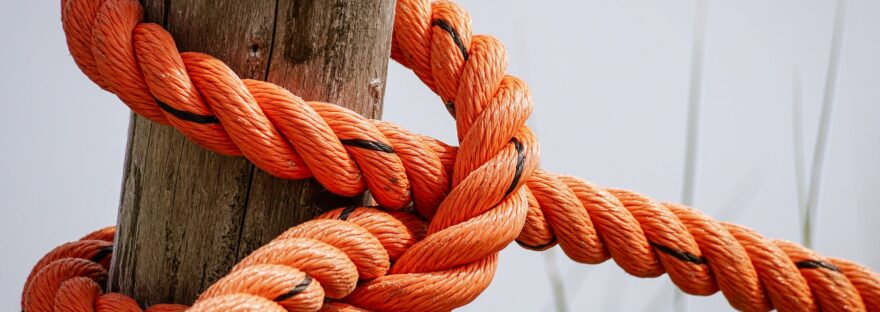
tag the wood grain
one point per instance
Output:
(187, 215)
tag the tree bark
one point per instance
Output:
(187, 215)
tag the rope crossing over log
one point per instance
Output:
(478, 197)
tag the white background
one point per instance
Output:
(610, 81)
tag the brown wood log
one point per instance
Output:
(188, 215)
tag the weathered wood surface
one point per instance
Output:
(187, 215)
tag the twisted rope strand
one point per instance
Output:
(277, 131)
(248, 112)
(494, 159)
(701, 255)
(323, 257)
(290, 138)
(592, 224)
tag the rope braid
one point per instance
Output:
(701, 255)
(279, 132)
(592, 224)
(471, 189)
(323, 257)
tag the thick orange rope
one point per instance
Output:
(471, 195)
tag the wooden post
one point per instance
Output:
(188, 215)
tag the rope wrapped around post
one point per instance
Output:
(476, 198)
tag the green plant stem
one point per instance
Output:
(555, 280)
(798, 144)
(824, 125)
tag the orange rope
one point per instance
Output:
(471, 195)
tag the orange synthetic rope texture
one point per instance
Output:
(473, 195)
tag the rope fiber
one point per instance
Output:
(468, 202)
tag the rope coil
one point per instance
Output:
(490, 184)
